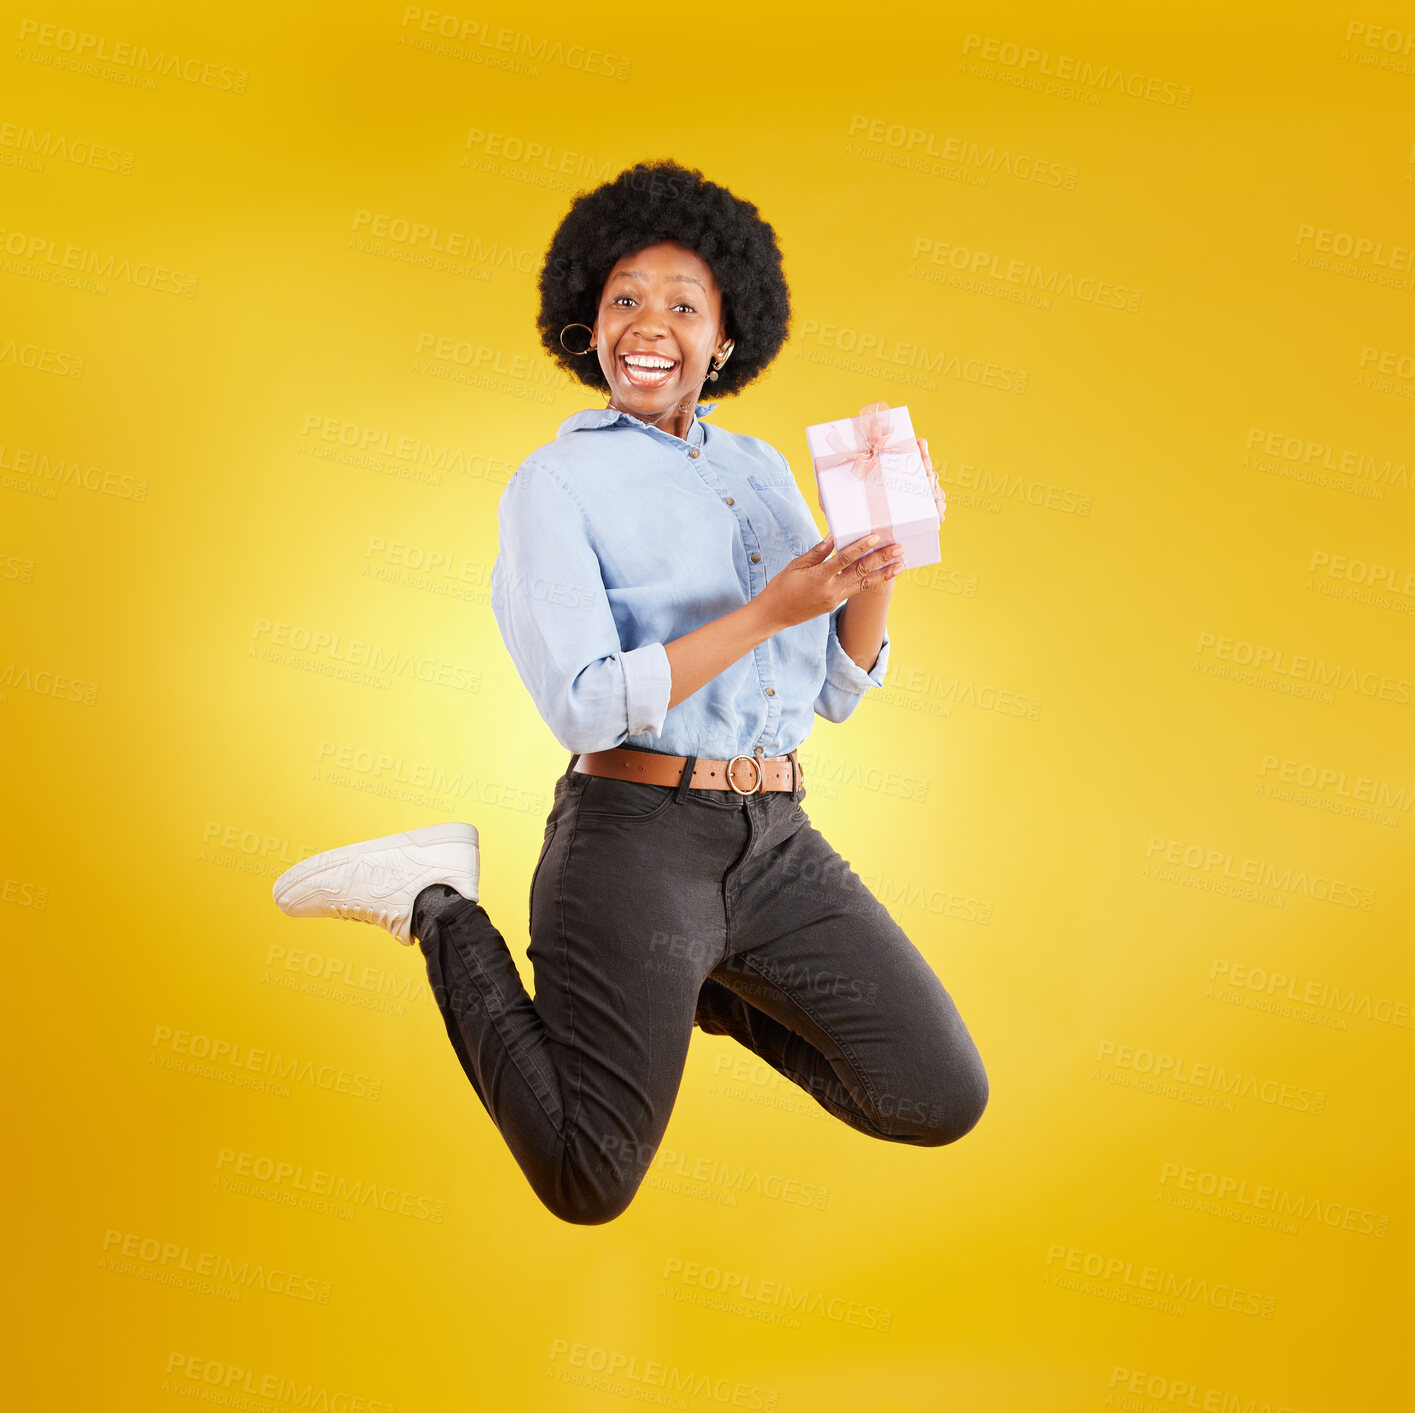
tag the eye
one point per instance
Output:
(618, 297)
(688, 307)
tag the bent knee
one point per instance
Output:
(590, 1202)
(959, 1120)
(589, 1210)
(948, 1116)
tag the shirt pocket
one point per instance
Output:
(782, 499)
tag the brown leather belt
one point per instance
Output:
(747, 775)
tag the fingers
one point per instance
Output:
(868, 553)
(817, 554)
(851, 583)
(857, 549)
(862, 566)
(887, 568)
(859, 566)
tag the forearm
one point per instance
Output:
(861, 624)
(697, 657)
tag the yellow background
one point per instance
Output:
(166, 756)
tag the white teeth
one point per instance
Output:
(642, 370)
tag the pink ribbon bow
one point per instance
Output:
(867, 460)
(874, 428)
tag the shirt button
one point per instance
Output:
(758, 750)
(730, 501)
(693, 452)
(755, 558)
(771, 691)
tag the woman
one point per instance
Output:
(662, 594)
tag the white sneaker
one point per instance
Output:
(379, 880)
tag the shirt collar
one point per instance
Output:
(595, 417)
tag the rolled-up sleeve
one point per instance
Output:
(845, 682)
(548, 596)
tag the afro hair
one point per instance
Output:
(652, 202)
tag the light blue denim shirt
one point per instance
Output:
(617, 538)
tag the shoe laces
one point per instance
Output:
(352, 912)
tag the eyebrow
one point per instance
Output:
(640, 275)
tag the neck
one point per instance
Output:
(675, 419)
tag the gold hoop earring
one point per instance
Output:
(578, 352)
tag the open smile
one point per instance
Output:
(644, 370)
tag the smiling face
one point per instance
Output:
(658, 328)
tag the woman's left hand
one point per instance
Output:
(940, 499)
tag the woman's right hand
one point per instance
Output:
(818, 582)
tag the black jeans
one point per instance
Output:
(652, 906)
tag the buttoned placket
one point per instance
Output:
(695, 453)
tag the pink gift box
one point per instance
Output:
(871, 479)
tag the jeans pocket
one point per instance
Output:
(550, 829)
(625, 801)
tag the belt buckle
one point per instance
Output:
(761, 775)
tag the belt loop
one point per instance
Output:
(682, 789)
(795, 772)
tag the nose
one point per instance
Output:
(648, 323)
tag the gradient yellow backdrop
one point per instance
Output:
(1138, 785)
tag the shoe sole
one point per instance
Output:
(300, 873)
